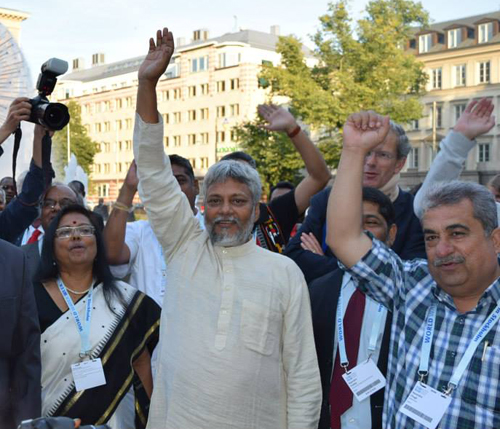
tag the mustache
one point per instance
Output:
(449, 260)
(231, 219)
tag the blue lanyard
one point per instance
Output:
(83, 328)
(457, 375)
(344, 361)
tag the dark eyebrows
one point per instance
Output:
(371, 216)
(457, 226)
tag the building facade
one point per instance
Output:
(462, 59)
(210, 86)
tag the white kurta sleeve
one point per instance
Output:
(167, 207)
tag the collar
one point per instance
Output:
(242, 250)
(391, 188)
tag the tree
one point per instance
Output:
(358, 67)
(81, 144)
(361, 67)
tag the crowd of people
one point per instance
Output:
(379, 311)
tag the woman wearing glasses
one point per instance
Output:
(97, 333)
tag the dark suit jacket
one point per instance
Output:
(324, 294)
(32, 258)
(20, 369)
(409, 243)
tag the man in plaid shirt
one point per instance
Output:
(460, 278)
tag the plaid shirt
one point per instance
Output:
(409, 289)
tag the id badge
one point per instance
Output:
(364, 380)
(88, 374)
(426, 405)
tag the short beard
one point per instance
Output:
(230, 240)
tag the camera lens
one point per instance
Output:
(56, 116)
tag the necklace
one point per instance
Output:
(76, 292)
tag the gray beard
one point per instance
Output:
(225, 239)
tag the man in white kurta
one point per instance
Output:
(237, 347)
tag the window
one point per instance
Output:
(204, 138)
(485, 32)
(164, 96)
(177, 140)
(204, 113)
(413, 161)
(98, 107)
(221, 86)
(120, 145)
(204, 162)
(439, 116)
(177, 93)
(165, 141)
(192, 115)
(235, 84)
(119, 103)
(454, 37)
(97, 168)
(192, 91)
(424, 43)
(128, 144)
(118, 124)
(129, 102)
(221, 111)
(220, 137)
(436, 78)
(415, 124)
(191, 139)
(107, 168)
(204, 88)
(458, 110)
(128, 123)
(177, 117)
(172, 71)
(199, 64)
(103, 190)
(192, 161)
(234, 136)
(97, 127)
(235, 109)
(229, 59)
(460, 75)
(107, 126)
(119, 167)
(484, 72)
(483, 152)
(166, 118)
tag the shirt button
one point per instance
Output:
(352, 420)
(224, 251)
(461, 320)
(452, 354)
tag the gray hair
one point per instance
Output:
(450, 193)
(236, 170)
(403, 143)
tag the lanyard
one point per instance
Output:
(485, 328)
(344, 361)
(83, 328)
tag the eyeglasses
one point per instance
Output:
(51, 204)
(68, 231)
(381, 155)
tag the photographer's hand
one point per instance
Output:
(19, 110)
(153, 66)
(37, 144)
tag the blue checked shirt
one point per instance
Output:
(409, 290)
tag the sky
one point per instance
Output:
(120, 29)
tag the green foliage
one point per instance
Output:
(277, 159)
(81, 144)
(358, 67)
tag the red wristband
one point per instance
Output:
(294, 132)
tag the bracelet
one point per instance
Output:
(120, 206)
(294, 132)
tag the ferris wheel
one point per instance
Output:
(15, 82)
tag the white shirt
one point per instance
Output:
(146, 266)
(237, 347)
(359, 415)
(28, 232)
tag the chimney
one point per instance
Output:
(180, 41)
(199, 35)
(97, 59)
(275, 29)
(78, 64)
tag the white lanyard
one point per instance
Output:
(485, 328)
(344, 362)
(83, 328)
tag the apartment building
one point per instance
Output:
(462, 58)
(210, 85)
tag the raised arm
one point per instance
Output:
(19, 110)
(362, 133)
(114, 232)
(167, 207)
(280, 119)
(477, 119)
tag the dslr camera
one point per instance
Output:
(54, 116)
(55, 423)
